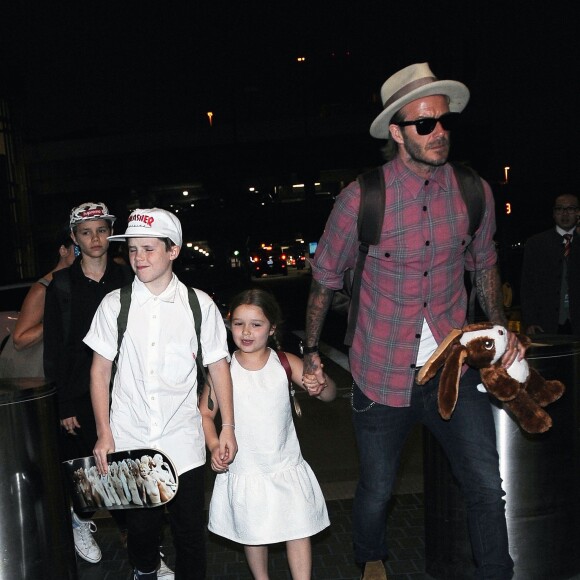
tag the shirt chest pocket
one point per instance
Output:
(178, 365)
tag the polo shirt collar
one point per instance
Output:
(142, 293)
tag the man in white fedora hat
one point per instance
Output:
(412, 294)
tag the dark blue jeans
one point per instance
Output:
(468, 439)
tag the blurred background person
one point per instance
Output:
(550, 285)
(23, 352)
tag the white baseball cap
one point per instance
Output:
(152, 223)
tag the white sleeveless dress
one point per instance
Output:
(270, 494)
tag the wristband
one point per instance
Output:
(309, 349)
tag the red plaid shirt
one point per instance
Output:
(416, 272)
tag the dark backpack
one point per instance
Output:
(370, 223)
(195, 309)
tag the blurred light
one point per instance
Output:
(210, 118)
(186, 193)
(506, 172)
(301, 59)
(298, 185)
(251, 189)
(236, 253)
(189, 244)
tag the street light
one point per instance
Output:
(505, 173)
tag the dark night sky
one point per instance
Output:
(124, 66)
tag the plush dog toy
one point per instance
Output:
(521, 389)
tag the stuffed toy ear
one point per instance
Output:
(449, 381)
(436, 360)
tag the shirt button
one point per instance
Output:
(463, 242)
(424, 304)
(427, 242)
(387, 255)
(426, 182)
(417, 336)
(424, 208)
(151, 372)
(152, 344)
(425, 273)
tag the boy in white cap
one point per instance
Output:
(154, 395)
(72, 298)
(411, 295)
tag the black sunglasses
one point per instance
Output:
(427, 125)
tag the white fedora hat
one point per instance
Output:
(412, 83)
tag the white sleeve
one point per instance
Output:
(102, 335)
(214, 338)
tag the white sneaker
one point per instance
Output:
(164, 572)
(85, 544)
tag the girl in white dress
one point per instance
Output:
(269, 494)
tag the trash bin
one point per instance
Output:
(540, 478)
(35, 527)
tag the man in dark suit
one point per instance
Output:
(550, 288)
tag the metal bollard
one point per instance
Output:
(541, 478)
(36, 539)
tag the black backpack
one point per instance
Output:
(370, 223)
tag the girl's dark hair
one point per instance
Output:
(270, 307)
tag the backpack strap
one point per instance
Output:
(369, 226)
(125, 299)
(201, 372)
(473, 195)
(286, 364)
(472, 192)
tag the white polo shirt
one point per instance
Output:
(154, 397)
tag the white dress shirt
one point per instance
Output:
(154, 396)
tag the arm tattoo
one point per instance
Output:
(319, 301)
(489, 294)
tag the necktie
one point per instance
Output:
(567, 238)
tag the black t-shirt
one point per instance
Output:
(71, 302)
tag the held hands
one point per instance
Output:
(224, 453)
(311, 385)
(314, 380)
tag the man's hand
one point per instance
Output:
(515, 350)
